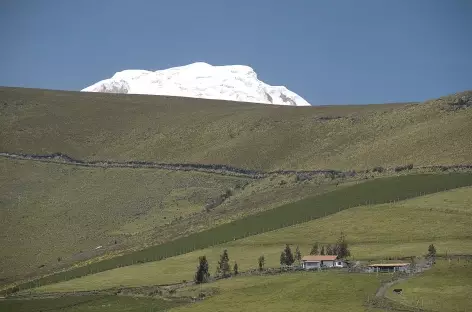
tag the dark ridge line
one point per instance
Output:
(61, 158)
(210, 168)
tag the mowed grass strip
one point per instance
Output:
(374, 232)
(372, 192)
(447, 287)
(94, 303)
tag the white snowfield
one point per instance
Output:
(200, 80)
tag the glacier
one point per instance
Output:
(200, 80)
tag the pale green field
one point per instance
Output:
(326, 291)
(374, 232)
(446, 287)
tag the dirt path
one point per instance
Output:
(381, 302)
(384, 287)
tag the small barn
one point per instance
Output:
(317, 262)
(389, 267)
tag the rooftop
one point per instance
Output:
(388, 264)
(319, 258)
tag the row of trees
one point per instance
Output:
(287, 257)
(222, 270)
(340, 248)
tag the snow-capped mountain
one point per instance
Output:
(200, 80)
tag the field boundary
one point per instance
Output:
(60, 158)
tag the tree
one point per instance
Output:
(322, 252)
(431, 252)
(298, 255)
(261, 261)
(315, 249)
(342, 250)
(223, 264)
(202, 275)
(413, 263)
(235, 268)
(283, 259)
(289, 259)
(329, 250)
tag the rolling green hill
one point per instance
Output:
(374, 192)
(374, 232)
(54, 215)
(72, 209)
(95, 126)
(444, 288)
(303, 291)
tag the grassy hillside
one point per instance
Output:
(444, 288)
(72, 210)
(327, 291)
(127, 211)
(375, 191)
(334, 292)
(401, 229)
(180, 130)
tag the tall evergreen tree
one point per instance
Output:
(235, 268)
(342, 250)
(261, 262)
(289, 259)
(223, 264)
(329, 249)
(202, 275)
(431, 251)
(283, 259)
(298, 255)
(315, 249)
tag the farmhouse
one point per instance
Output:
(316, 262)
(389, 267)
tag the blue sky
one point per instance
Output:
(329, 52)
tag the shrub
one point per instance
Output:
(378, 169)
(15, 289)
(402, 168)
(261, 262)
(236, 268)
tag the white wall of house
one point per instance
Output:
(332, 264)
(339, 264)
(324, 263)
(310, 265)
(327, 263)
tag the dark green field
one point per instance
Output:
(96, 303)
(371, 192)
